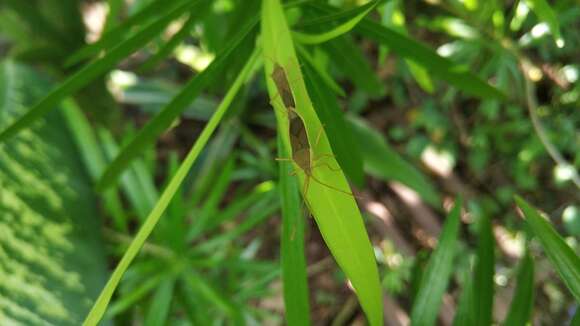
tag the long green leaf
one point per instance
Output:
(407, 47)
(523, 299)
(161, 303)
(93, 70)
(101, 304)
(336, 213)
(438, 272)
(294, 275)
(163, 119)
(483, 285)
(336, 31)
(565, 261)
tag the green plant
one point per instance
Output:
(311, 42)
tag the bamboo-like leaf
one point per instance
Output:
(523, 299)
(336, 31)
(563, 258)
(294, 275)
(438, 272)
(336, 213)
(100, 305)
(547, 14)
(93, 70)
(381, 161)
(161, 303)
(483, 285)
(171, 111)
(409, 48)
(464, 315)
(341, 139)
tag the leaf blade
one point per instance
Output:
(565, 261)
(438, 272)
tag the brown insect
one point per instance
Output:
(301, 150)
(303, 157)
(283, 85)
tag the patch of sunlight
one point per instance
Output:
(193, 57)
(570, 97)
(457, 27)
(448, 49)
(470, 4)
(265, 186)
(564, 172)
(570, 72)
(440, 161)
(526, 155)
(522, 11)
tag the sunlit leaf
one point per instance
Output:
(335, 212)
(563, 258)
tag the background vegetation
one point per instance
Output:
(140, 138)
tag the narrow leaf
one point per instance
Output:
(438, 272)
(565, 261)
(91, 71)
(336, 31)
(163, 119)
(161, 303)
(294, 276)
(483, 286)
(523, 300)
(100, 305)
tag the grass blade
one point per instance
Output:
(464, 314)
(91, 71)
(336, 213)
(343, 28)
(523, 299)
(100, 305)
(294, 276)
(438, 272)
(563, 258)
(163, 120)
(483, 285)
(161, 304)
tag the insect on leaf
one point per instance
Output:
(335, 212)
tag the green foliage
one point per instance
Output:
(52, 263)
(444, 97)
(436, 276)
